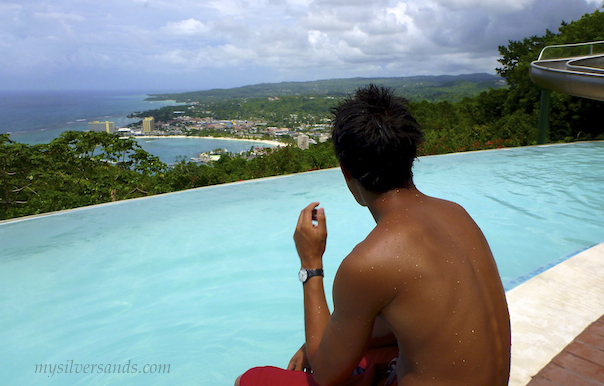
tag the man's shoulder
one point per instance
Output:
(376, 257)
(370, 249)
(364, 277)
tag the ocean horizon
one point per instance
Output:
(35, 117)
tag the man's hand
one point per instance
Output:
(299, 361)
(311, 239)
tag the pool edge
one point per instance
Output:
(119, 202)
(87, 207)
(549, 310)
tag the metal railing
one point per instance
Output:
(564, 51)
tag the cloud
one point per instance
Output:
(60, 16)
(186, 27)
(505, 6)
(10, 9)
(262, 40)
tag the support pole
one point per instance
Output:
(543, 115)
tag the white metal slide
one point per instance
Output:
(574, 69)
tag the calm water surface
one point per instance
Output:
(206, 280)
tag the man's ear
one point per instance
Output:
(346, 173)
(354, 186)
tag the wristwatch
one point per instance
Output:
(306, 274)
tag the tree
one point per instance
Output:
(570, 117)
(74, 170)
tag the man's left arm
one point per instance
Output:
(336, 342)
(310, 242)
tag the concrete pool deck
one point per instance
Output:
(548, 311)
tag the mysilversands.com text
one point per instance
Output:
(98, 368)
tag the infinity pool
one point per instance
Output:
(205, 280)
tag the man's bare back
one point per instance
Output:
(447, 307)
(424, 278)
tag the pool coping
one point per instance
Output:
(549, 310)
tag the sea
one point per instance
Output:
(35, 117)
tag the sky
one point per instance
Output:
(190, 45)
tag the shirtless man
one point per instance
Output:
(424, 278)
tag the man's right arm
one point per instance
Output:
(381, 336)
(299, 361)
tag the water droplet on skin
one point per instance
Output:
(457, 281)
(472, 331)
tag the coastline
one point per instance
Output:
(268, 141)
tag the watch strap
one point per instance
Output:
(313, 272)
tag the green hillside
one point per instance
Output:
(448, 88)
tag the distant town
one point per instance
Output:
(184, 125)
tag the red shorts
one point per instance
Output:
(374, 363)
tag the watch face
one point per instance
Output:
(303, 275)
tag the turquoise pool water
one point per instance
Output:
(206, 280)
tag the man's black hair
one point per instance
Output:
(376, 138)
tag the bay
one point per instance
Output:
(171, 150)
(35, 117)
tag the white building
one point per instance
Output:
(303, 141)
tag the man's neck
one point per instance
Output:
(383, 204)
